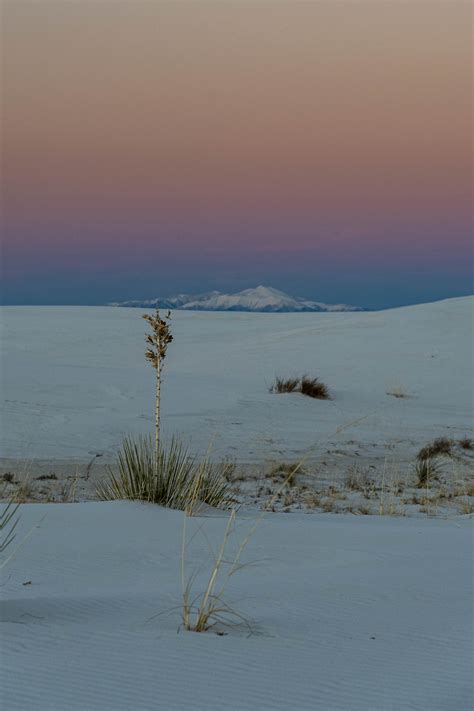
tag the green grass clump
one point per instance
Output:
(171, 477)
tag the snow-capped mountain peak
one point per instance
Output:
(260, 299)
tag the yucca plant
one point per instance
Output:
(8, 523)
(158, 341)
(426, 470)
(169, 476)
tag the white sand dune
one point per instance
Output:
(347, 612)
(75, 379)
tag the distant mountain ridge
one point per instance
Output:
(263, 299)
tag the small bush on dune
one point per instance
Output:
(466, 443)
(398, 392)
(439, 446)
(285, 385)
(170, 478)
(312, 387)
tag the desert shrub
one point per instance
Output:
(466, 443)
(398, 392)
(426, 469)
(312, 387)
(439, 446)
(285, 385)
(172, 478)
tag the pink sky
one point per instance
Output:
(166, 145)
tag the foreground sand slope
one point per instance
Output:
(347, 613)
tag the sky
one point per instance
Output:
(320, 147)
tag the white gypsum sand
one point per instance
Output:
(347, 613)
(74, 380)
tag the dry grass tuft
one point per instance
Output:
(287, 471)
(466, 443)
(202, 612)
(359, 481)
(360, 510)
(24, 492)
(285, 385)
(311, 387)
(398, 392)
(439, 446)
(312, 500)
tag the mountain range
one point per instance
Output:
(261, 299)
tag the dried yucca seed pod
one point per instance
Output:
(158, 340)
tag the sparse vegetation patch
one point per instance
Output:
(439, 446)
(312, 387)
(398, 393)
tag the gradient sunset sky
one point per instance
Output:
(321, 147)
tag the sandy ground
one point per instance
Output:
(341, 612)
(367, 612)
(74, 381)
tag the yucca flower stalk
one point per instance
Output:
(158, 341)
